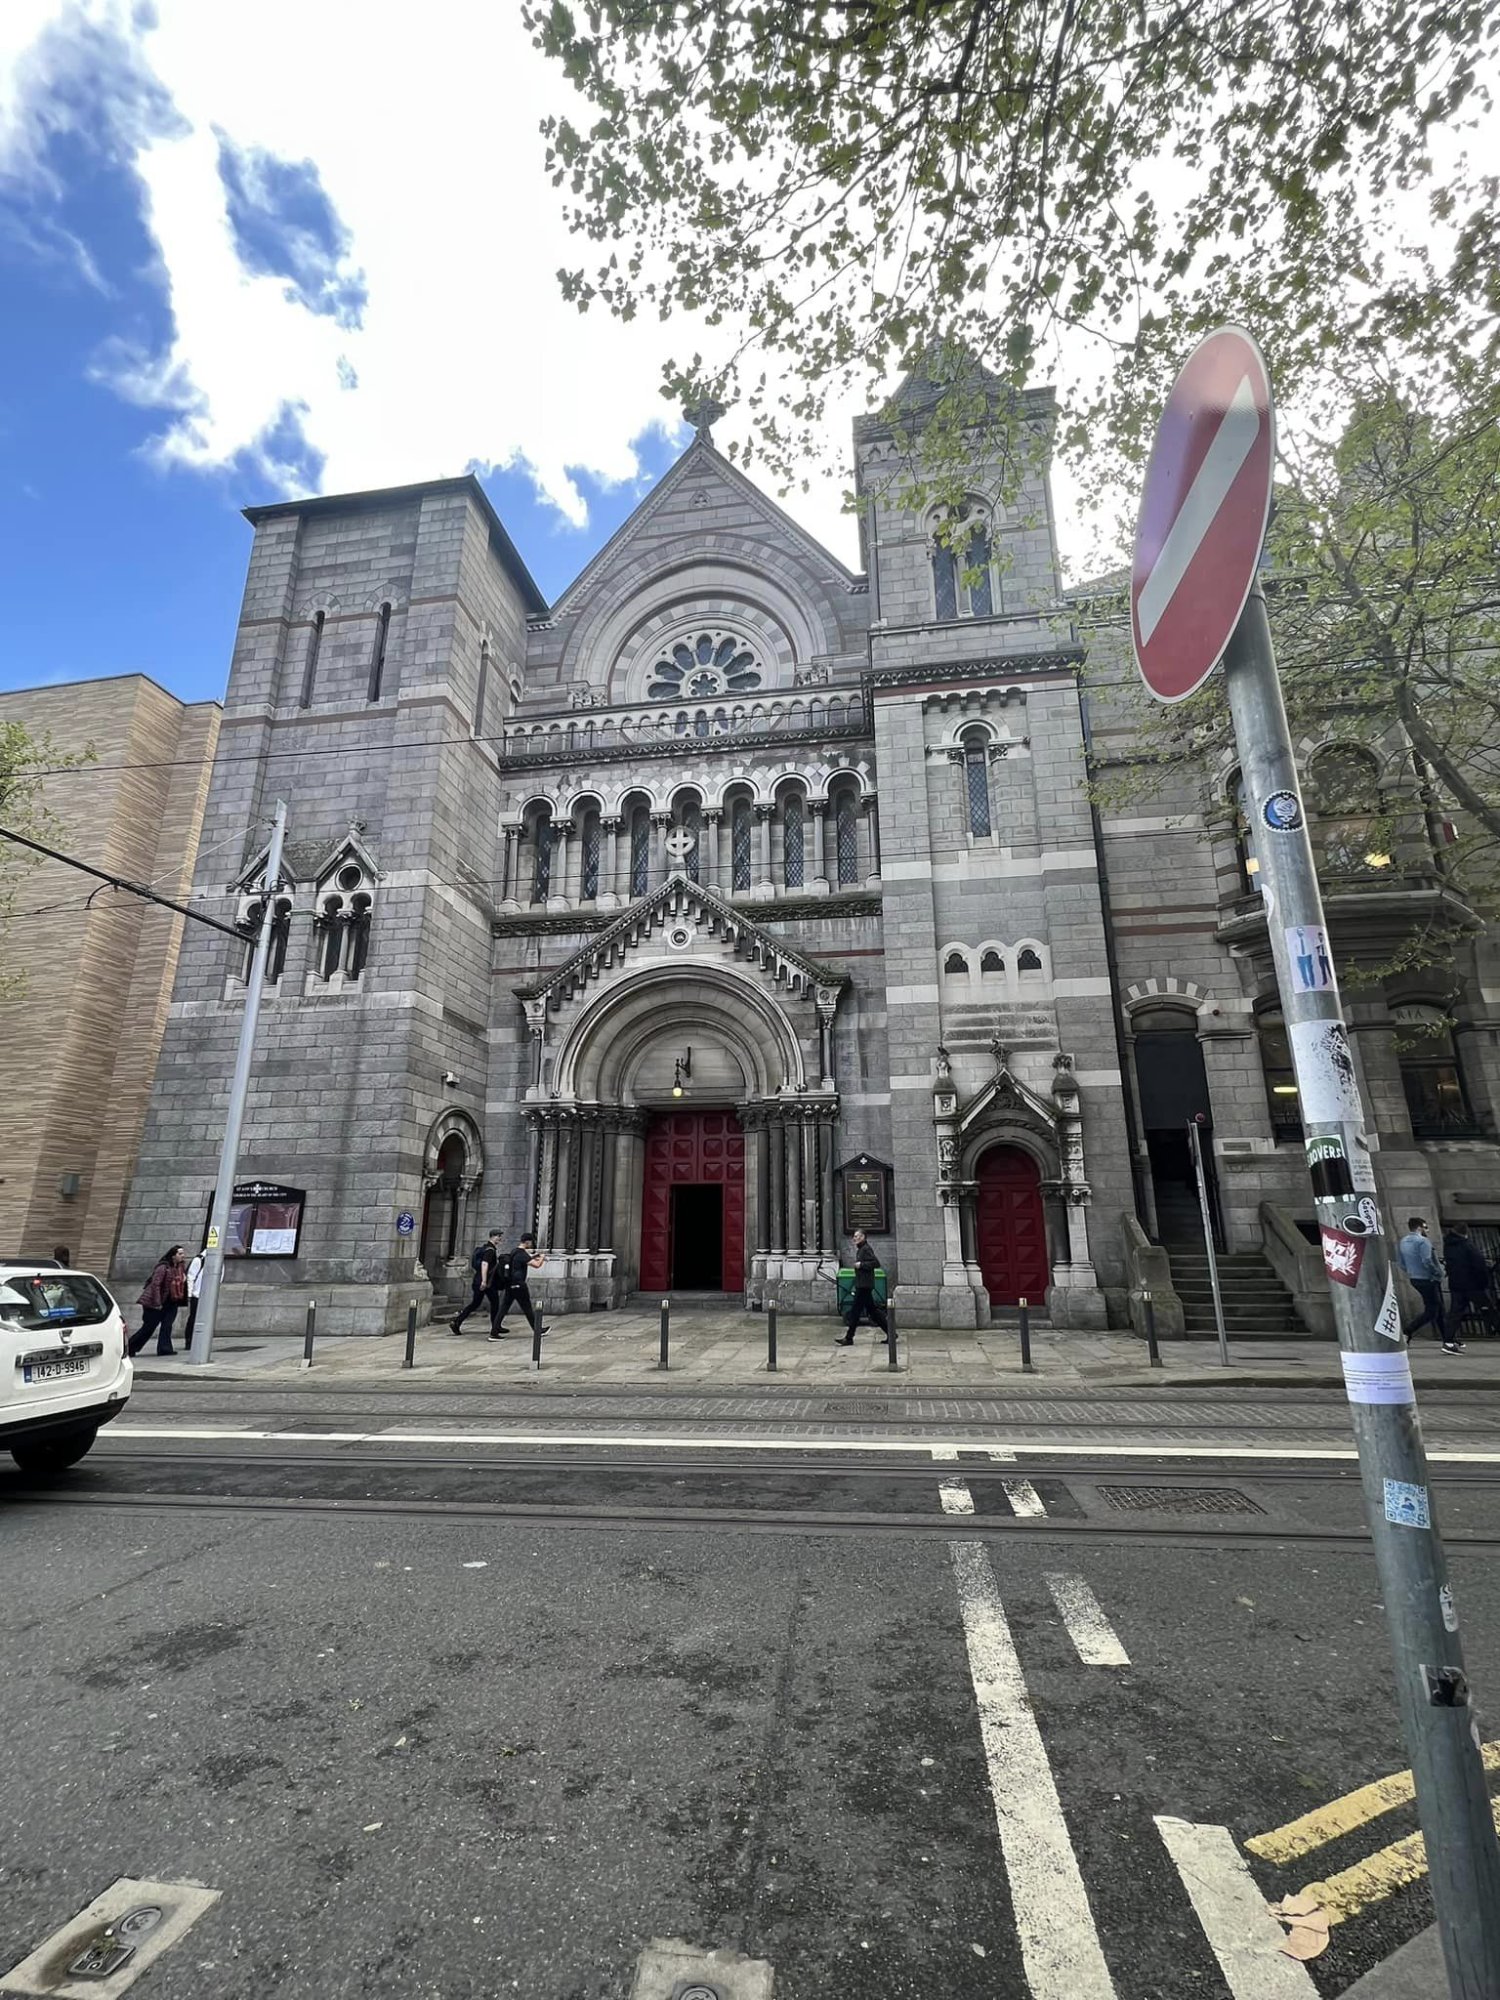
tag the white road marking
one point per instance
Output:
(955, 1496)
(1054, 1924)
(1239, 427)
(647, 1440)
(1091, 1632)
(1245, 1937)
(999, 1451)
(1024, 1498)
(945, 1453)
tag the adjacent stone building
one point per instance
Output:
(729, 901)
(81, 1025)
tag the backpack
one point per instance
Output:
(484, 1250)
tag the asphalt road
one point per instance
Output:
(461, 1719)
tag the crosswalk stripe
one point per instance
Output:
(1245, 1938)
(1380, 1875)
(1023, 1497)
(1343, 1815)
(1093, 1636)
(1060, 1946)
(955, 1496)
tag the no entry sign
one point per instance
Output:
(1203, 514)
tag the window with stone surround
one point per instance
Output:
(640, 851)
(741, 833)
(341, 927)
(976, 760)
(846, 835)
(1432, 1076)
(377, 658)
(541, 851)
(791, 840)
(702, 664)
(589, 845)
(310, 662)
(1282, 1099)
(483, 686)
(964, 580)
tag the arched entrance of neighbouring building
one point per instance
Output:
(1173, 1086)
(693, 1203)
(1011, 1227)
(444, 1204)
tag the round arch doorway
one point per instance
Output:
(1011, 1227)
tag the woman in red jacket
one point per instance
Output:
(164, 1292)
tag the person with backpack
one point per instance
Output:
(485, 1267)
(521, 1261)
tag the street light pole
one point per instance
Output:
(1432, 1689)
(229, 1152)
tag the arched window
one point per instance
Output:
(791, 840)
(739, 844)
(541, 874)
(956, 963)
(1432, 1077)
(483, 687)
(1281, 1081)
(992, 962)
(377, 658)
(846, 837)
(589, 862)
(1244, 853)
(640, 851)
(687, 813)
(976, 754)
(963, 564)
(1028, 961)
(346, 905)
(281, 937)
(702, 664)
(310, 664)
(1344, 781)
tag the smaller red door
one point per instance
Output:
(692, 1149)
(1011, 1228)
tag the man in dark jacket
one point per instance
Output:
(485, 1264)
(863, 1305)
(1468, 1274)
(521, 1262)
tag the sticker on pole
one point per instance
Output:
(1308, 956)
(1378, 1378)
(1388, 1319)
(1324, 1064)
(1203, 513)
(1342, 1255)
(1407, 1505)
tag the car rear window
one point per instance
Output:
(38, 1300)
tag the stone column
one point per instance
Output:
(775, 1139)
(609, 1140)
(755, 1127)
(792, 1137)
(811, 1182)
(558, 894)
(662, 821)
(610, 884)
(868, 810)
(828, 1235)
(763, 817)
(817, 811)
(709, 857)
(510, 865)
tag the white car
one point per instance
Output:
(64, 1371)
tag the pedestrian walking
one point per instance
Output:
(194, 1290)
(485, 1267)
(519, 1265)
(63, 1255)
(163, 1293)
(1468, 1277)
(1420, 1263)
(863, 1304)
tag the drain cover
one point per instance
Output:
(864, 1406)
(696, 1989)
(1178, 1500)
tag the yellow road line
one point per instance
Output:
(1354, 1889)
(1341, 1816)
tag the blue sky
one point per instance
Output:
(223, 283)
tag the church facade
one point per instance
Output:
(733, 901)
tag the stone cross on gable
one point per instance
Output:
(703, 415)
(680, 843)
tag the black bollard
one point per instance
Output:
(771, 1338)
(312, 1327)
(411, 1336)
(666, 1321)
(536, 1337)
(1026, 1367)
(1151, 1347)
(890, 1338)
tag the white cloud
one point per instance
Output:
(423, 132)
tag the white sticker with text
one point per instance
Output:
(1378, 1378)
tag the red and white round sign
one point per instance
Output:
(1203, 513)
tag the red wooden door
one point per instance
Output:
(1011, 1228)
(692, 1149)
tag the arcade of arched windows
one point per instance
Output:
(798, 840)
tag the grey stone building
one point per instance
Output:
(731, 900)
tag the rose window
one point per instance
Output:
(702, 665)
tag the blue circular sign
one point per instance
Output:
(406, 1222)
(1283, 811)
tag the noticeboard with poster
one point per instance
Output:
(866, 1186)
(265, 1220)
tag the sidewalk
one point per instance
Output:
(725, 1350)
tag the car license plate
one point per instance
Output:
(51, 1368)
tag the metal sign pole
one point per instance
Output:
(1195, 1141)
(234, 1118)
(1432, 1688)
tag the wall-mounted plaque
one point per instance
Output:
(866, 1185)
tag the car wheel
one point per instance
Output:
(53, 1454)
